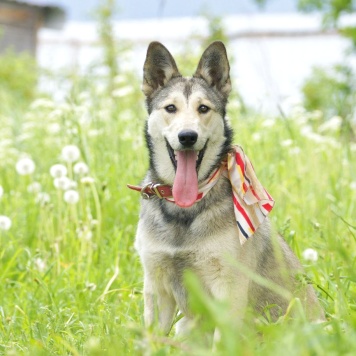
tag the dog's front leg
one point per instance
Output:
(159, 307)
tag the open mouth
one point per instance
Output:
(173, 155)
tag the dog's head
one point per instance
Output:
(186, 131)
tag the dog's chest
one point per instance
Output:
(169, 245)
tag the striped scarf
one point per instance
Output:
(252, 203)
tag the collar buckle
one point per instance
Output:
(155, 188)
(143, 192)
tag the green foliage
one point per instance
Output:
(18, 80)
(334, 93)
(332, 10)
(71, 280)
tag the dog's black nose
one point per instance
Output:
(188, 137)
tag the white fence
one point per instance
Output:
(273, 54)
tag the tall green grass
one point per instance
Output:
(71, 282)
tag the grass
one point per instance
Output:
(71, 280)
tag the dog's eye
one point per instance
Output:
(171, 108)
(203, 109)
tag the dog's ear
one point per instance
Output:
(159, 68)
(214, 68)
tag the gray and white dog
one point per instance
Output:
(187, 137)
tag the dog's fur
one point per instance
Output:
(203, 237)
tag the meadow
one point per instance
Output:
(71, 281)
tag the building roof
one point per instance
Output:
(54, 15)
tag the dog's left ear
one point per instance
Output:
(214, 68)
(158, 69)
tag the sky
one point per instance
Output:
(143, 9)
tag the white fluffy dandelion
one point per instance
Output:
(310, 255)
(70, 153)
(40, 265)
(58, 170)
(81, 168)
(71, 196)
(63, 183)
(286, 143)
(25, 166)
(87, 180)
(34, 187)
(43, 198)
(5, 222)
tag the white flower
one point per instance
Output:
(34, 187)
(87, 180)
(42, 103)
(122, 91)
(63, 183)
(256, 136)
(58, 170)
(54, 128)
(40, 264)
(90, 286)
(286, 143)
(5, 222)
(43, 198)
(25, 166)
(71, 197)
(294, 151)
(70, 153)
(310, 255)
(1, 191)
(84, 233)
(333, 124)
(81, 168)
(268, 123)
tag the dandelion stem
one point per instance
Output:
(98, 215)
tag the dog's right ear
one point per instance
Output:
(159, 68)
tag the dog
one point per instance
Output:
(181, 226)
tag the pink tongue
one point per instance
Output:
(185, 186)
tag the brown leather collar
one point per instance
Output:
(153, 189)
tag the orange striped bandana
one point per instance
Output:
(252, 203)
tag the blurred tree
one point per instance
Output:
(332, 10)
(105, 13)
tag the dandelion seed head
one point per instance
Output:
(43, 198)
(294, 151)
(54, 128)
(63, 183)
(40, 265)
(25, 166)
(87, 180)
(5, 223)
(71, 196)
(287, 143)
(256, 136)
(58, 170)
(81, 168)
(70, 153)
(333, 124)
(34, 187)
(84, 233)
(310, 255)
(268, 123)
(90, 286)
(122, 92)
